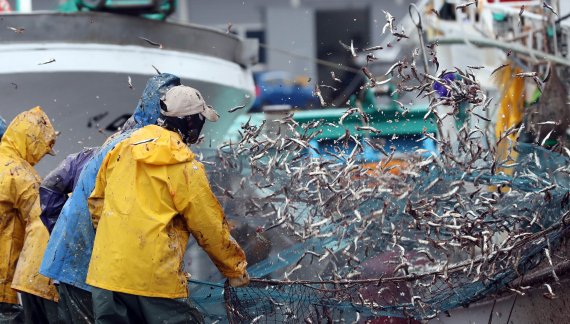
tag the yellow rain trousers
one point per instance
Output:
(150, 194)
(23, 237)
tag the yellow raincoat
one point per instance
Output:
(150, 193)
(510, 112)
(23, 237)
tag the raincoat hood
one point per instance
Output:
(157, 146)
(2, 127)
(148, 108)
(29, 136)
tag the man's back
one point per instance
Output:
(11, 220)
(150, 194)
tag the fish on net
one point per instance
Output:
(415, 250)
(449, 228)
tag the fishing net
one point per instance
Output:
(410, 244)
(331, 234)
(286, 302)
(416, 296)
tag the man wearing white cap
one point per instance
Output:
(150, 194)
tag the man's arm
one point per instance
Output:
(205, 220)
(27, 198)
(58, 184)
(97, 197)
(54, 190)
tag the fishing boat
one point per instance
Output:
(87, 70)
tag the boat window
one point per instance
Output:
(258, 34)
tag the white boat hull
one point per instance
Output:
(88, 76)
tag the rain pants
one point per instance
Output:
(11, 313)
(39, 310)
(59, 183)
(150, 194)
(2, 127)
(113, 307)
(69, 248)
(75, 305)
(23, 238)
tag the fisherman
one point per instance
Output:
(9, 313)
(150, 194)
(69, 248)
(28, 138)
(74, 304)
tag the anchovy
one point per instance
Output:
(465, 5)
(145, 141)
(236, 108)
(547, 6)
(151, 42)
(47, 62)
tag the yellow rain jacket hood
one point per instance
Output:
(23, 237)
(150, 194)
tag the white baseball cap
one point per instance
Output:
(182, 101)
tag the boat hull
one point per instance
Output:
(87, 107)
(77, 68)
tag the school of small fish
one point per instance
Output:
(440, 220)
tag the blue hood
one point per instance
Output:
(148, 109)
(68, 252)
(3, 126)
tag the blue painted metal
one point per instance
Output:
(277, 88)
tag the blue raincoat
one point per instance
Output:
(3, 126)
(69, 248)
(59, 183)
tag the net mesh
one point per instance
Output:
(415, 296)
(327, 233)
(414, 249)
